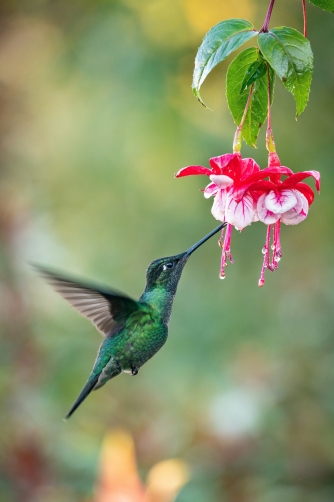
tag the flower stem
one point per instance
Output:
(269, 98)
(238, 133)
(270, 143)
(305, 20)
(264, 28)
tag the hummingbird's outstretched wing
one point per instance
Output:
(106, 309)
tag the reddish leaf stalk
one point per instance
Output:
(305, 20)
(238, 133)
(264, 28)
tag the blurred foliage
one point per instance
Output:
(96, 115)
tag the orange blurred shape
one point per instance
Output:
(118, 474)
(203, 15)
(165, 480)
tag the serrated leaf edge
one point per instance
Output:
(325, 10)
(282, 45)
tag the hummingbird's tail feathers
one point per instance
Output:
(88, 387)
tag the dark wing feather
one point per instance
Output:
(106, 309)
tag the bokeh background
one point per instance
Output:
(96, 115)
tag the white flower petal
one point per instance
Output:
(296, 208)
(219, 204)
(210, 190)
(221, 180)
(297, 214)
(280, 202)
(240, 214)
(266, 216)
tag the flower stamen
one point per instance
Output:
(226, 250)
(277, 251)
(271, 264)
(265, 251)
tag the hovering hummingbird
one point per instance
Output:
(133, 330)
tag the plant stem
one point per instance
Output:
(270, 143)
(264, 28)
(269, 96)
(238, 133)
(305, 20)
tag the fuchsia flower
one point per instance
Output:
(230, 176)
(285, 201)
(242, 195)
(234, 201)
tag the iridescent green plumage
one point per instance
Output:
(134, 330)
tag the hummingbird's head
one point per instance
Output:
(166, 272)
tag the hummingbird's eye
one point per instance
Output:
(168, 265)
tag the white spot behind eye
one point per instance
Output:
(168, 265)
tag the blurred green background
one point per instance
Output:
(97, 114)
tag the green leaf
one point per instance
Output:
(217, 45)
(290, 55)
(238, 71)
(324, 4)
(254, 72)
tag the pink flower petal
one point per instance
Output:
(285, 171)
(240, 214)
(264, 215)
(210, 190)
(293, 217)
(307, 191)
(221, 180)
(265, 173)
(191, 170)
(249, 166)
(219, 204)
(297, 177)
(218, 164)
(229, 164)
(257, 186)
(280, 202)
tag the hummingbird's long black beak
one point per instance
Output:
(199, 243)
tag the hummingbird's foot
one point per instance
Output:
(134, 371)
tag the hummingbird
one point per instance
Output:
(133, 330)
